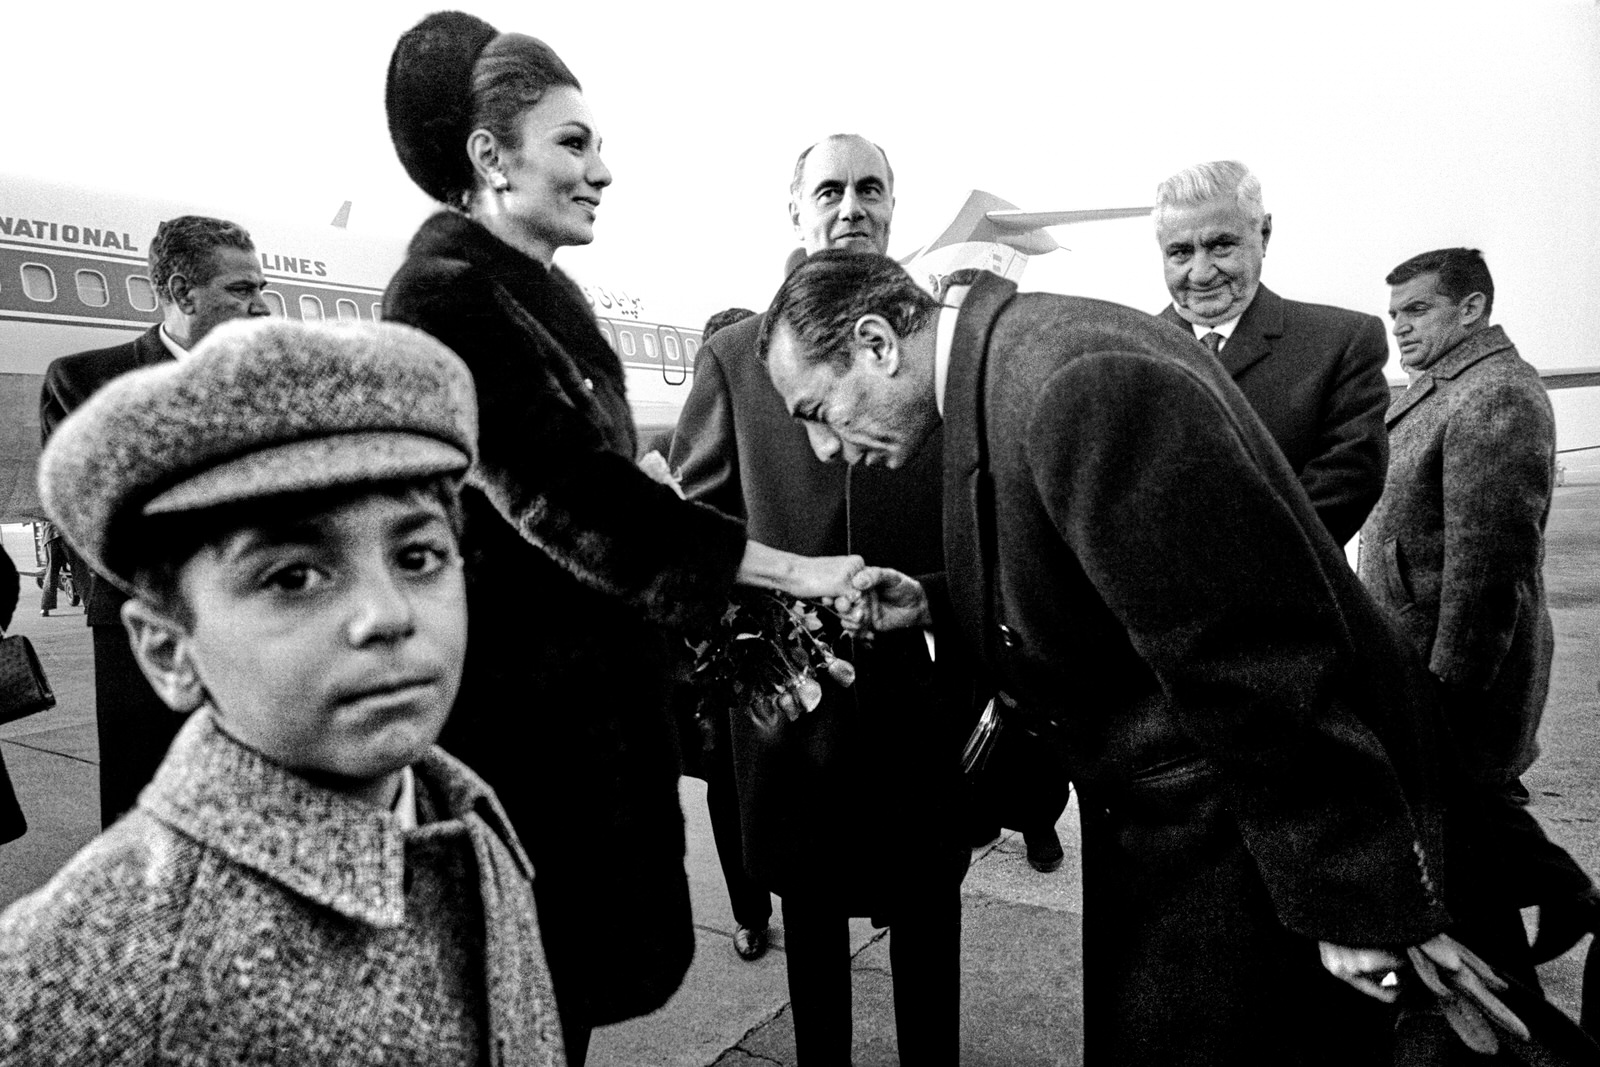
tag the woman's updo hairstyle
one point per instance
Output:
(451, 74)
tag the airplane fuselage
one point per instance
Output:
(74, 276)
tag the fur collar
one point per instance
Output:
(548, 294)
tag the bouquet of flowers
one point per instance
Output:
(764, 654)
(763, 657)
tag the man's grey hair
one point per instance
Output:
(1205, 182)
(800, 164)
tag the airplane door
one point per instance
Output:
(674, 367)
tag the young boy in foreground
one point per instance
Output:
(306, 879)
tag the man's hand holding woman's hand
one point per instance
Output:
(883, 599)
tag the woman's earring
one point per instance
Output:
(498, 182)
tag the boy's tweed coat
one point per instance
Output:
(577, 562)
(241, 914)
(1455, 548)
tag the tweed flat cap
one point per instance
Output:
(263, 407)
(428, 97)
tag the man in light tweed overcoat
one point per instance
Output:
(1455, 547)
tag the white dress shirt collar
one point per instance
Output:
(1224, 328)
(944, 339)
(179, 353)
(405, 805)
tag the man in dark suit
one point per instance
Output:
(205, 272)
(1313, 373)
(1128, 553)
(865, 757)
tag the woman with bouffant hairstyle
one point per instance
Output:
(579, 565)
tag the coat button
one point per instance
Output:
(1008, 636)
(588, 383)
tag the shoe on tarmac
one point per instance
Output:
(750, 943)
(1044, 851)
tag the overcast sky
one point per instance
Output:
(1379, 130)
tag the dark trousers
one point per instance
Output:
(924, 956)
(752, 904)
(134, 726)
(54, 558)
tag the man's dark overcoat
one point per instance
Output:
(1247, 731)
(1455, 549)
(1314, 374)
(866, 756)
(577, 566)
(134, 726)
(880, 757)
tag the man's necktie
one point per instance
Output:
(1212, 341)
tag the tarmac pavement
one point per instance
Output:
(1021, 932)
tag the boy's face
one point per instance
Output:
(331, 642)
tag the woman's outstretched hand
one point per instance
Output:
(828, 578)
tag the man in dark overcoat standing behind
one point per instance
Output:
(205, 272)
(867, 758)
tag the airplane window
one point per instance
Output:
(649, 345)
(626, 337)
(377, 312)
(92, 288)
(347, 310)
(39, 282)
(690, 346)
(275, 304)
(311, 309)
(669, 344)
(141, 294)
(605, 331)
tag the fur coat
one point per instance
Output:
(578, 565)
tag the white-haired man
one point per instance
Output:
(1313, 373)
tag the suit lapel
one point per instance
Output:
(149, 349)
(1409, 399)
(968, 496)
(1259, 326)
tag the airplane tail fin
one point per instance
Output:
(990, 234)
(342, 219)
(974, 224)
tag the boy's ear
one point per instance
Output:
(165, 654)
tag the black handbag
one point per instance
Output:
(1015, 764)
(24, 689)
